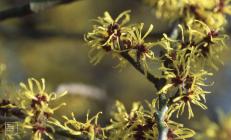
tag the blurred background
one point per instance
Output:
(50, 45)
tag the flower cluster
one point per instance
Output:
(210, 43)
(107, 35)
(35, 103)
(137, 124)
(166, 8)
(140, 123)
(114, 36)
(141, 50)
(90, 128)
(184, 61)
(211, 12)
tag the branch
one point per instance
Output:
(22, 11)
(19, 11)
(158, 82)
(160, 117)
(162, 128)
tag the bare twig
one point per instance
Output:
(19, 11)
(22, 11)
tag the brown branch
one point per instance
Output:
(19, 11)
(158, 82)
(22, 11)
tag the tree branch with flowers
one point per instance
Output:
(183, 63)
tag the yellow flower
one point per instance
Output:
(35, 101)
(209, 42)
(185, 77)
(168, 9)
(140, 49)
(74, 127)
(211, 12)
(188, 85)
(107, 35)
(115, 37)
(140, 123)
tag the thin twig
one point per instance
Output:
(23, 10)
(19, 11)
